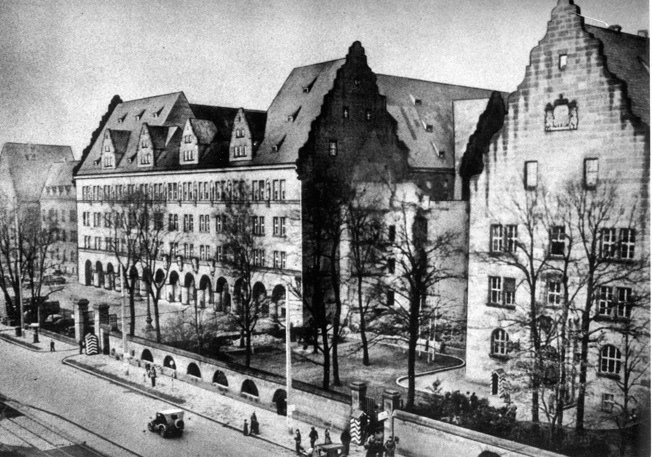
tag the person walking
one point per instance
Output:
(255, 430)
(245, 429)
(51, 345)
(474, 401)
(345, 438)
(297, 441)
(390, 447)
(152, 375)
(314, 436)
(327, 437)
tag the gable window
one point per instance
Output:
(187, 139)
(590, 173)
(531, 174)
(146, 158)
(332, 148)
(499, 340)
(108, 161)
(557, 241)
(610, 360)
(345, 112)
(563, 61)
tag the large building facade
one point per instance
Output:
(559, 219)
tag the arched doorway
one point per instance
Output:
(494, 383)
(193, 370)
(249, 388)
(174, 291)
(110, 276)
(168, 362)
(223, 296)
(280, 399)
(188, 291)
(146, 356)
(99, 274)
(88, 273)
(205, 295)
(260, 299)
(219, 378)
(278, 299)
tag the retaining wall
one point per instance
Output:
(313, 405)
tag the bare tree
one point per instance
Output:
(418, 263)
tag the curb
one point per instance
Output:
(160, 398)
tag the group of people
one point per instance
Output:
(255, 426)
(376, 448)
(345, 438)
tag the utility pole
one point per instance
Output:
(19, 272)
(125, 352)
(288, 365)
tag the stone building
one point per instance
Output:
(39, 178)
(575, 134)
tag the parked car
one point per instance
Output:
(167, 423)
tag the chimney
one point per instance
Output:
(643, 33)
(615, 28)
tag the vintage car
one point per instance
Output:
(167, 423)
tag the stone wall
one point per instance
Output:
(313, 405)
(419, 436)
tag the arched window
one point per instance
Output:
(499, 340)
(610, 360)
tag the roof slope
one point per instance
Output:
(25, 168)
(627, 58)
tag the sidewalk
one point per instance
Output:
(226, 411)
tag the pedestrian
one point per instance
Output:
(327, 437)
(314, 436)
(442, 348)
(81, 346)
(345, 438)
(152, 375)
(474, 401)
(51, 345)
(254, 425)
(297, 441)
(390, 447)
(245, 429)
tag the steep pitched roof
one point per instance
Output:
(303, 91)
(423, 111)
(24, 168)
(300, 101)
(627, 58)
(204, 130)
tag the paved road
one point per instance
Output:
(100, 408)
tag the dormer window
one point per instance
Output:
(239, 133)
(157, 113)
(139, 116)
(146, 158)
(429, 128)
(122, 118)
(189, 155)
(442, 154)
(143, 144)
(308, 88)
(108, 161)
(187, 139)
(278, 145)
(107, 148)
(292, 117)
(356, 82)
(415, 101)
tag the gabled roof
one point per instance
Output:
(158, 135)
(303, 95)
(24, 168)
(221, 117)
(60, 175)
(305, 89)
(423, 111)
(627, 58)
(204, 130)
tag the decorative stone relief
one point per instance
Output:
(561, 115)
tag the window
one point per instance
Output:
(627, 242)
(97, 218)
(563, 61)
(187, 139)
(108, 160)
(367, 115)
(86, 218)
(499, 340)
(73, 215)
(391, 266)
(557, 241)
(553, 292)
(607, 402)
(590, 173)
(258, 225)
(531, 174)
(279, 259)
(605, 299)
(345, 112)
(496, 238)
(391, 233)
(146, 157)
(615, 305)
(623, 302)
(173, 222)
(188, 225)
(220, 222)
(259, 257)
(219, 254)
(332, 148)
(608, 243)
(107, 220)
(204, 223)
(279, 226)
(502, 291)
(610, 360)
(390, 298)
(281, 184)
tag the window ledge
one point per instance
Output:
(501, 357)
(614, 376)
(498, 305)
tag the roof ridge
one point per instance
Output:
(438, 82)
(634, 35)
(151, 97)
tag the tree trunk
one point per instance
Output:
(581, 392)
(156, 315)
(363, 326)
(338, 311)
(413, 339)
(132, 310)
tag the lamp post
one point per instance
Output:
(19, 272)
(124, 328)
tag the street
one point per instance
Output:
(100, 409)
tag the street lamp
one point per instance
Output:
(124, 328)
